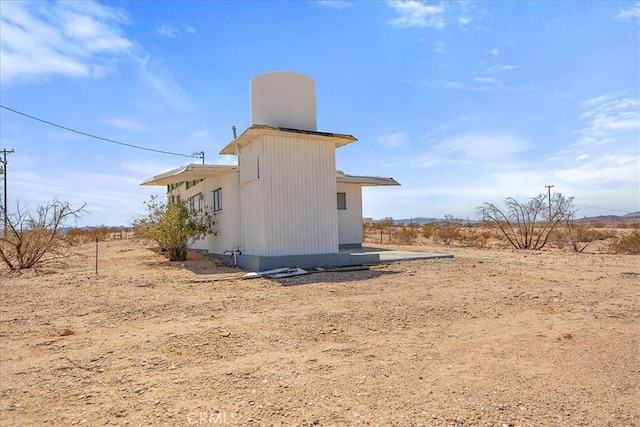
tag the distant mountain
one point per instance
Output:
(630, 217)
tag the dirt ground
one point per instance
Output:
(492, 337)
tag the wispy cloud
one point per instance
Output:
(127, 123)
(162, 82)
(606, 116)
(75, 39)
(413, 13)
(393, 140)
(494, 52)
(506, 67)
(172, 31)
(333, 4)
(440, 47)
(629, 12)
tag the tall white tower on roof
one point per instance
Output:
(284, 99)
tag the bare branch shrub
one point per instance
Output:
(528, 225)
(580, 235)
(407, 234)
(32, 240)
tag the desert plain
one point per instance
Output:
(491, 337)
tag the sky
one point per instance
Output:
(461, 102)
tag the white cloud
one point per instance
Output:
(606, 118)
(333, 4)
(440, 47)
(393, 140)
(75, 39)
(413, 13)
(127, 123)
(507, 67)
(495, 52)
(167, 30)
(630, 12)
(464, 20)
(172, 32)
(478, 146)
(485, 79)
(162, 82)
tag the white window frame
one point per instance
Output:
(217, 199)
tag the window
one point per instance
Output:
(195, 203)
(342, 201)
(217, 200)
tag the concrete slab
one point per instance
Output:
(387, 255)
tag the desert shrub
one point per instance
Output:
(629, 244)
(448, 231)
(528, 225)
(33, 239)
(407, 234)
(475, 237)
(77, 235)
(427, 231)
(580, 235)
(173, 227)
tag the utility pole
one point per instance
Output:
(199, 154)
(548, 187)
(4, 174)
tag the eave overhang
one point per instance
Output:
(339, 139)
(365, 181)
(192, 172)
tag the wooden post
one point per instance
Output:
(96, 255)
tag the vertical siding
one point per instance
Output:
(252, 208)
(350, 220)
(299, 186)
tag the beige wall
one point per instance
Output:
(350, 220)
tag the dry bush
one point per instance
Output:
(528, 225)
(632, 225)
(448, 231)
(475, 237)
(629, 244)
(581, 236)
(428, 231)
(406, 234)
(32, 240)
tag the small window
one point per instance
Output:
(217, 200)
(342, 201)
(195, 202)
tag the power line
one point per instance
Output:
(94, 136)
(601, 208)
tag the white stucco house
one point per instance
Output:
(284, 203)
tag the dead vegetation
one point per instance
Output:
(494, 336)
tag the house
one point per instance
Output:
(284, 204)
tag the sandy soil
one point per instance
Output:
(488, 338)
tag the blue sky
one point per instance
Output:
(461, 102)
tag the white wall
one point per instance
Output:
(227, 221)
(291, 208)
(350, 220)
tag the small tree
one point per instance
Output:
(174, 227)
(34, 239)
(528, 225)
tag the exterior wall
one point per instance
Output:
(350, 220)
(290, 208)
(227, 221)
